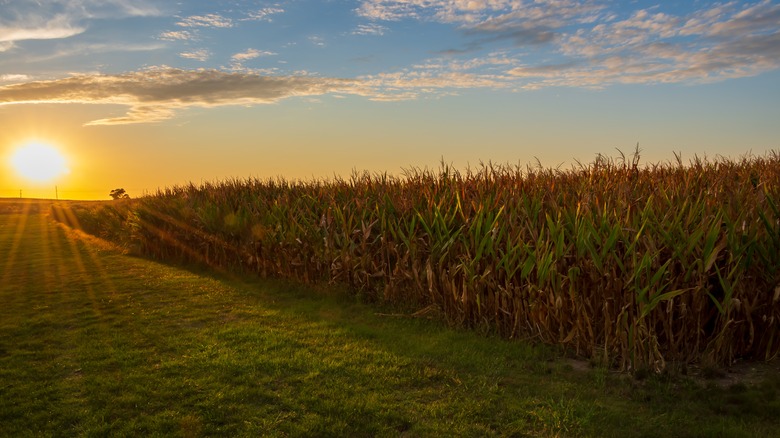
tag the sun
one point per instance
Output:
(39, 162)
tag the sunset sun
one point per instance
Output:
(39, 162)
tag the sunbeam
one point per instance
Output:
(18, 232)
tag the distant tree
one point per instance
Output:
(119, 194)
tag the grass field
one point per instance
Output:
(97, 343)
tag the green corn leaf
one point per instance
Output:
(528, 266)
(659, 298)
(716, 302)
(660, 273)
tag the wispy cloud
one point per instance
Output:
(40, 28)
(505, 45)
(177, 35)
(440, 77)
(198, 55)
(584, 45)
(111, 8)
(264, 14)
(251, 54)
(22, 20)
(387, 10)
(406, 85)
(238, 59)
(156, 94)
(715, 43)
(317, 40)
(475, 12)
(14, 78)
(86, 49)
(208, 20)
(370, 29)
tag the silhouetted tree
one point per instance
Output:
(119, 194)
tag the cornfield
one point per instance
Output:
(634, 265)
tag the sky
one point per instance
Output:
(150, 94)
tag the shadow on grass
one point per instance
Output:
(118, 345)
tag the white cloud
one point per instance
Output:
(100, 9)
(198, 55)
(387, 11)
(521, 22)
(715, 43)
(251, 54)
(91, 49)
(14, 78)
(130, 9)
(370, 29)
(473, 12)
(439, 77)
(208, 20)
(585, 45)
(177, 35)
(263, 14)
(431, 82)
(157, 93)
(26, 20)
(763, 16)
(317, 40)
(37, 29)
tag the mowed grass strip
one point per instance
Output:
(93, 342)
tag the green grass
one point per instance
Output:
(96, 343)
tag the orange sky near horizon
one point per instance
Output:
(151, 94)
(302, 141)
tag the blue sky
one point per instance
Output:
(421, 80)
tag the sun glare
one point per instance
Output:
(39, 162)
